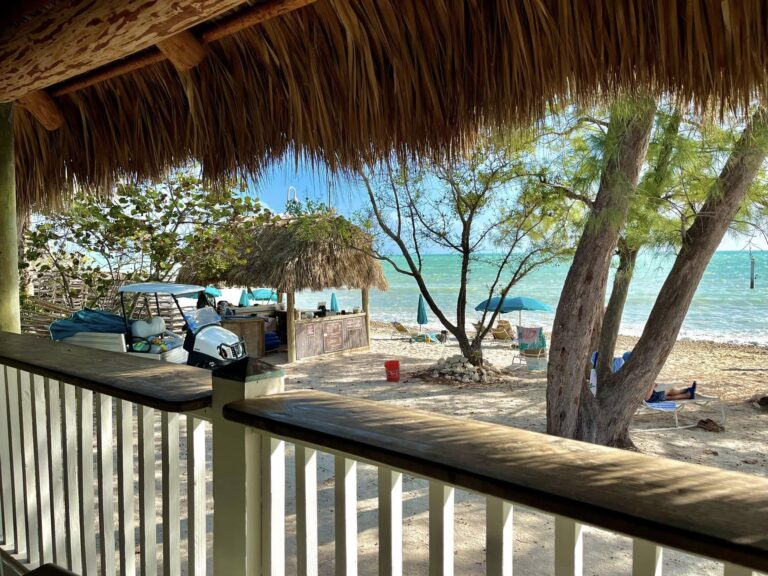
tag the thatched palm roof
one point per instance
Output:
(348, 82)
(292, 255)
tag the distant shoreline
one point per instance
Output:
(382, 325)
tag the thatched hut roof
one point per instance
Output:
(292, 255)
(347, 82)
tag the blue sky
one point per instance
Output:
(313, 183)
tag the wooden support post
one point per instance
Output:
(291, 332)
(366, 309)
(10, 316)
(237, 489)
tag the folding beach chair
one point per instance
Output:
(533, 347)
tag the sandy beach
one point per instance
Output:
(735, 373)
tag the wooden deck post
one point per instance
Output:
(291, 331)
(366, 309)
(239, 539)
(10, 318)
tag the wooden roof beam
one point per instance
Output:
(183, 50)
(74, 37)
(43, 108)
(237, 22)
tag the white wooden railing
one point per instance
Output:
(83, 439)
(92, 439)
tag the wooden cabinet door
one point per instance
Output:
(333, 339)
(354, 333)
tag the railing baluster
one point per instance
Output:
(646, 558)
(306, 511)
(346, 516)
(70, 467)
(736, 570)
(56, 471)
(6, 484)
(498, 537)
(441, 498)
(196, 496)
(126, 500)
(43, 487)
(147, 511)
(273, 505)
(569, 549)
(17, 460)
(171, 494)
(85, 479)
(106, 472)
(30, 479)
(390, 522)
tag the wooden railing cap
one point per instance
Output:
(161, 385)
(699, 509)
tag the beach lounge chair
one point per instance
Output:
(402, 330)
(502, 335)
(676, 406)
(505, 325)
(413, 336)
(533, 347)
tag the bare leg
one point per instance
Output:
(679, 393)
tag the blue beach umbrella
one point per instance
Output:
(244, 299)
(264, 294)
(421, 312)
(213, 291)
(334, 303)
(513, 304)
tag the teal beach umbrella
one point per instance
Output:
(421, 312)
(334, 303)
(244, 299)
(513, 304)
(264, 294)
(213, 291)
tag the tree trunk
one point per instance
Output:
(622, 392)
(653, 186)
(471, 350)
(25, 278)
(615, 309)
(583, 295)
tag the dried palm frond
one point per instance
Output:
(285, 257)
(351, 82)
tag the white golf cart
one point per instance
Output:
(205, 343)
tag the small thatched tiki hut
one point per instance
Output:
(317, 252)
(92, 91)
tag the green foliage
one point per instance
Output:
(143, 232)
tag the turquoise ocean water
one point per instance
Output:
(724, 308)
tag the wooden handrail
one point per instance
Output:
(706, 511)
(162, 385)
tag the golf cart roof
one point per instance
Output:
(163, 288)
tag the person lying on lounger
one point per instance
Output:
(688, 393)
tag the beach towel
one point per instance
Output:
(531, 338)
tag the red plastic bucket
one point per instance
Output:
(393, 370)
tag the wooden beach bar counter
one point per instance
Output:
(316, 336)
(287, 258)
